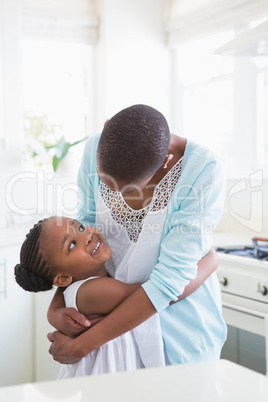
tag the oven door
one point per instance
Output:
(247, 340)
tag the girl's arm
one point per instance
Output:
(135, 309)
(100, 296)
(90, 302)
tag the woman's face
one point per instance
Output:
(73, 249)
(121, 186)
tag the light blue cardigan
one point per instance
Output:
(192, 329)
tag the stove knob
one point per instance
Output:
(262, 289)
(223, 280)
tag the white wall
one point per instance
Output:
(133, 65)
(10, 76)
(246, 210)
(132, 58)
(10, 113)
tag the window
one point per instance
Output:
(223, 102)
(56, 44)
(207, 93)
(57, 92)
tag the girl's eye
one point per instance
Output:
(81, 228)
(71, 245)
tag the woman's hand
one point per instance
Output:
(67, 320)
(70, 322)
(63, 348)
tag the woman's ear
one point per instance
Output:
(167, 160)
(61, 280)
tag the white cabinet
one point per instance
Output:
(16, 317)
(24, 345)
(45, 367)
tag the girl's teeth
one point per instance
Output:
(96, 248)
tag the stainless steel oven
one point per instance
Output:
(243, 275)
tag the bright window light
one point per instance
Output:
(206, 82)
(57, 90)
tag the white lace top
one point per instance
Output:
(131, 219)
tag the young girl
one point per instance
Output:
(64, 253)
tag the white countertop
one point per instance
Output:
(200, 382)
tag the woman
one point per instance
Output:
(156, 199)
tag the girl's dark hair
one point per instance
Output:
(133, 144)
(33, 273)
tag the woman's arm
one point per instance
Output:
(90, 299)
(206, 266)
(72, 323)
(136, 309)
(86, 213)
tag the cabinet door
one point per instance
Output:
(45, 367)
(16, 316)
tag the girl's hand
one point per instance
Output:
(70, 322)
(63, 348)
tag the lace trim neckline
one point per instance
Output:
(131, 219)
(158, 185)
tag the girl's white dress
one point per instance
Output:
(120, 354)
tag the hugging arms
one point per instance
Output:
(99, 300)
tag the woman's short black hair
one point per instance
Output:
(133, 144)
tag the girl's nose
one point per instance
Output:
(89, 237)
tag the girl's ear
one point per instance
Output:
(61, 280)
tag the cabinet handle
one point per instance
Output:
(262, 289)
(3, 268)
(223, 280)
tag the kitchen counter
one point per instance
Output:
(207, 382)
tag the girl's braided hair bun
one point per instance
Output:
(33, 273)
(30, 281)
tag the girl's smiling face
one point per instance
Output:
(73, 249)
